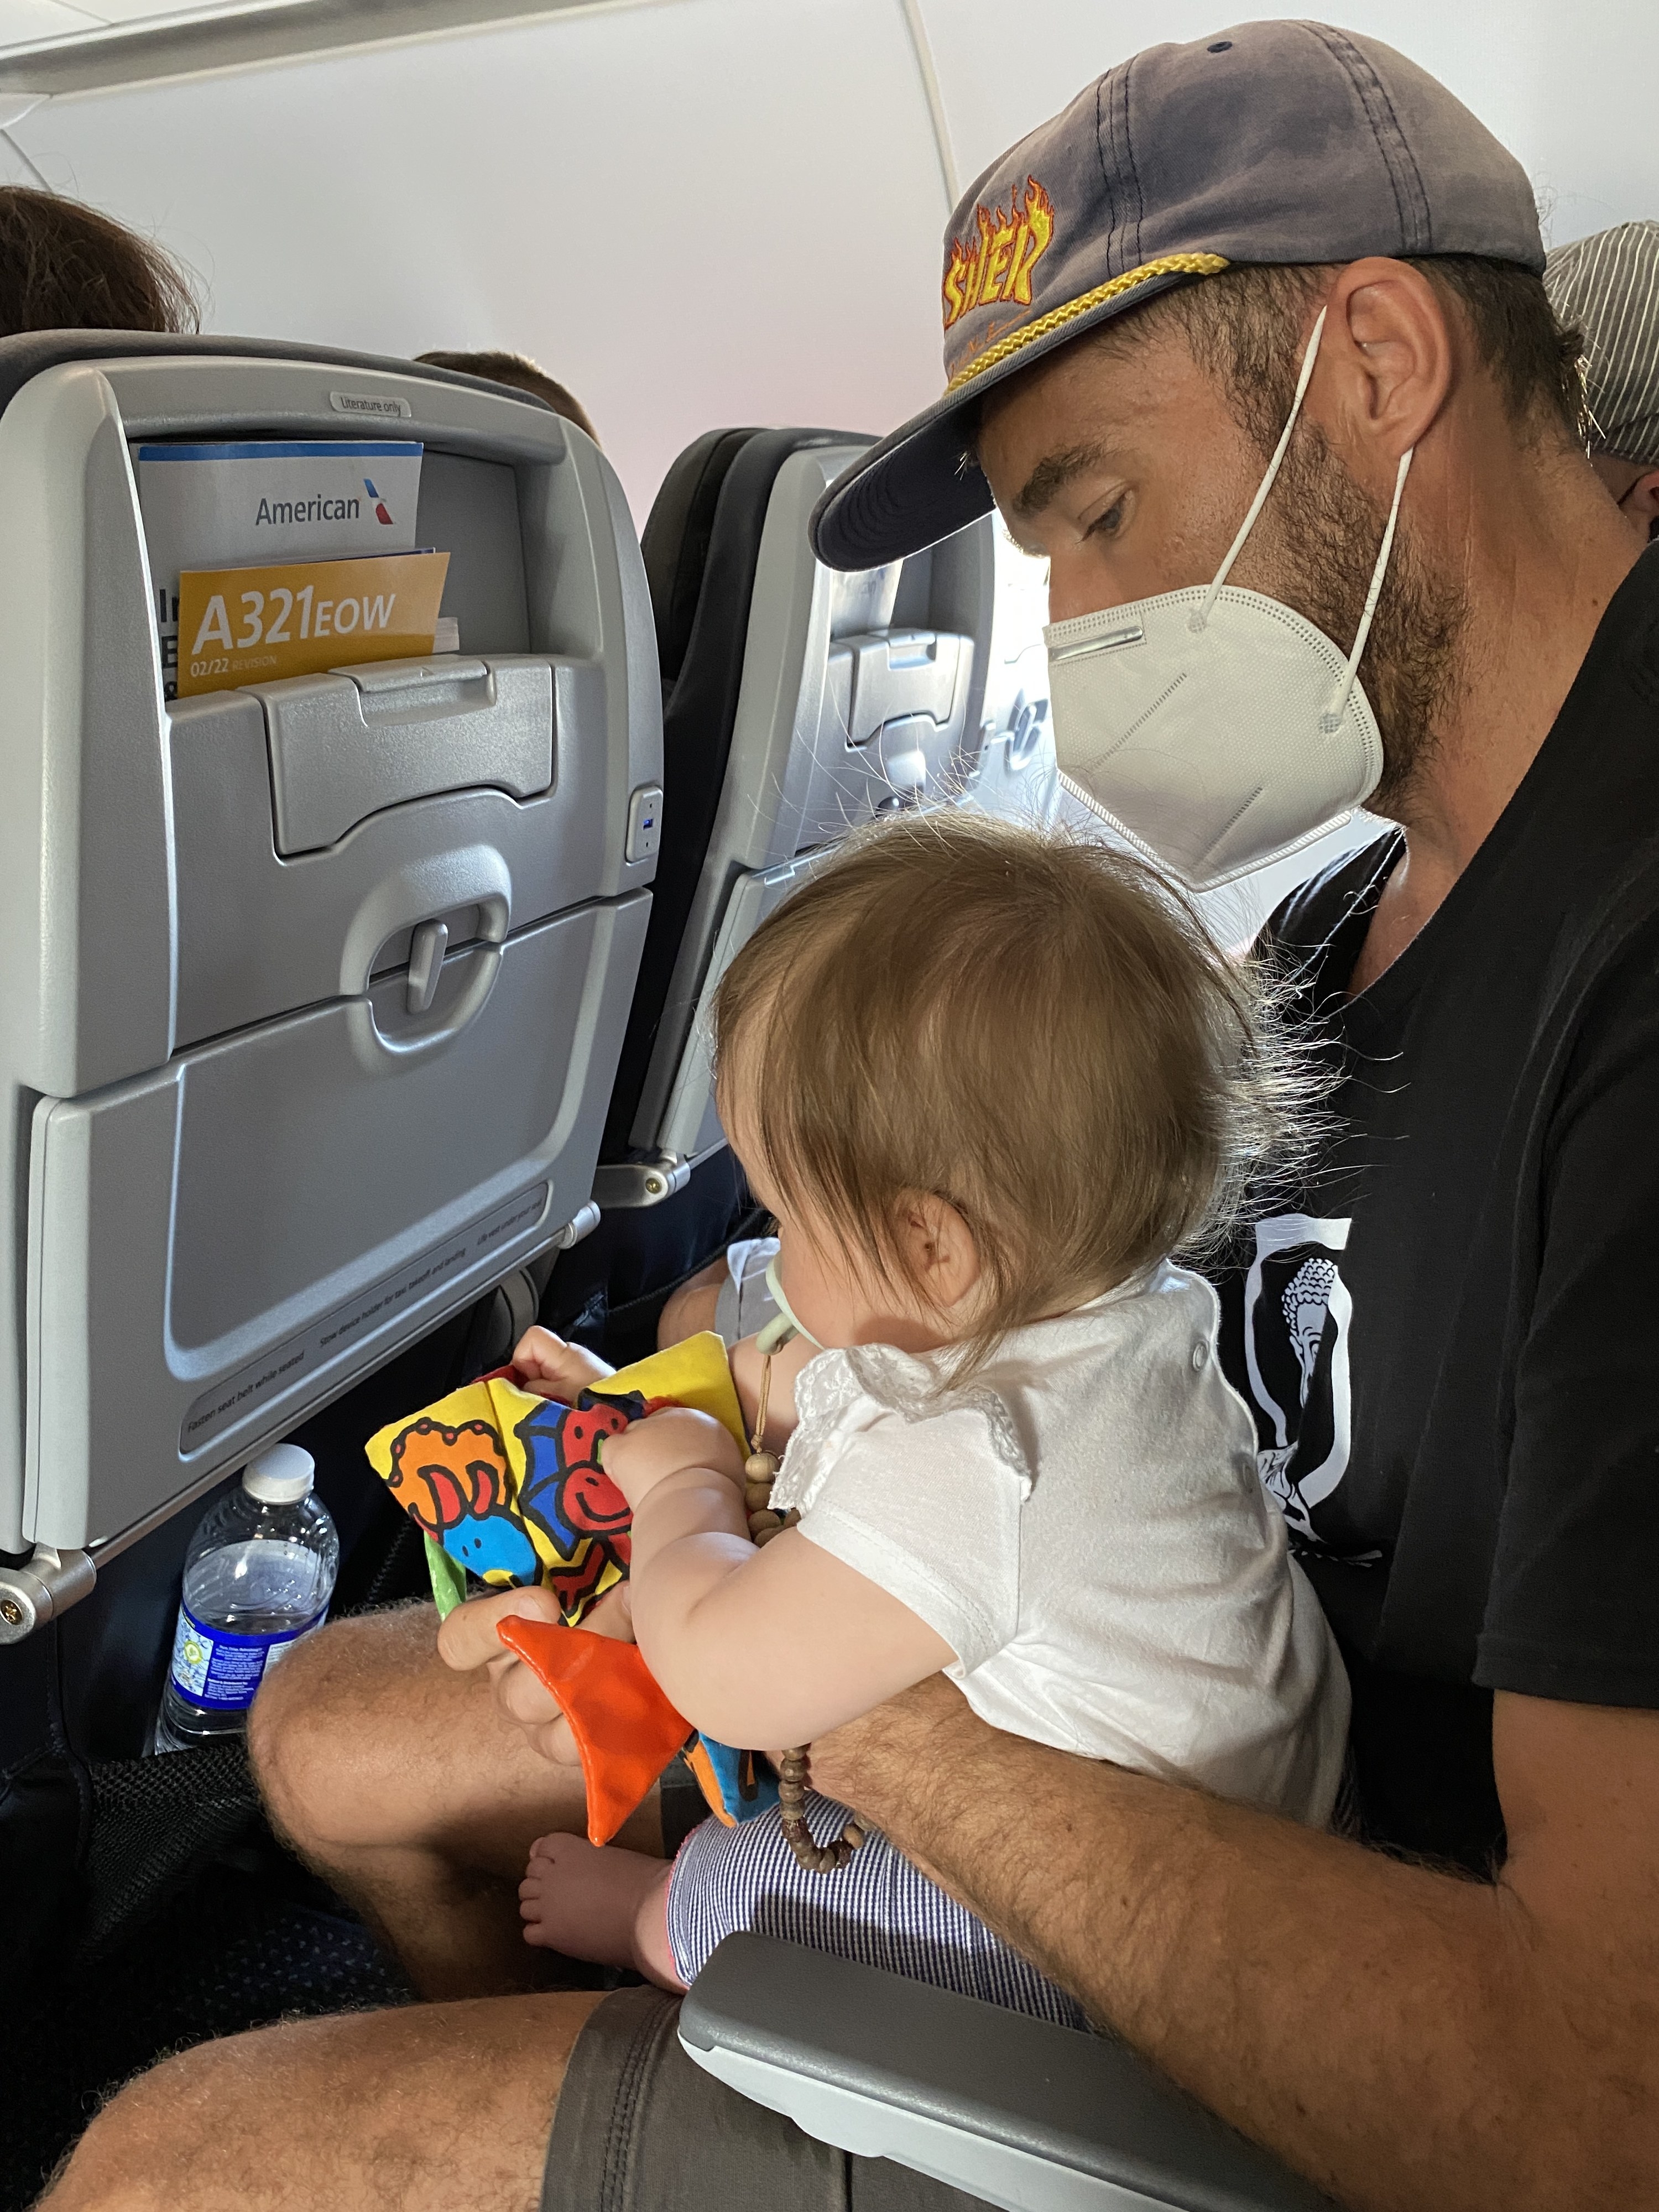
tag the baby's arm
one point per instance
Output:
(754, 1647)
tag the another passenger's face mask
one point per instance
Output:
(1218, 728)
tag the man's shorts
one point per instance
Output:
(640, 2129)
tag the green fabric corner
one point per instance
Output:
(448, 1578)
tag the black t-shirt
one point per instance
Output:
(1449, 1336)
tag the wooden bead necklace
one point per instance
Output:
(794, 1767)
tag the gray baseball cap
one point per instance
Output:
(1608, 285)
(1278, 141)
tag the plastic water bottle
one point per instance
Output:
(258, 1575)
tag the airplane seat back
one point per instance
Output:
(701, 546)
(800, 702)
(313, 988)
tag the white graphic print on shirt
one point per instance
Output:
(1298, 1311)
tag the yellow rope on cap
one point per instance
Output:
(1172, 264)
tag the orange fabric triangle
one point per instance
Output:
(625, 1728)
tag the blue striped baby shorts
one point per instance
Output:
(877, 1910)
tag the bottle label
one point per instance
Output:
(220, 1670)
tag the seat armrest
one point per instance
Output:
(1011, 2110)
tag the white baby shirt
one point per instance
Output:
(1083, 1522)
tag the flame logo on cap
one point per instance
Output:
(996, 259)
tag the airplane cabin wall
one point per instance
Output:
(692, 213)
(1568, 85)
(703, 211)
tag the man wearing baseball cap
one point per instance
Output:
(1608, 287)
(1251, 342)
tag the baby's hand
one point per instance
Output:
(665, 1443)
(553, 1369)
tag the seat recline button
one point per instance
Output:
(644, 822)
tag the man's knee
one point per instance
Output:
(691, 1308)
(319, 1717)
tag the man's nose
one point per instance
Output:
(1081, 584)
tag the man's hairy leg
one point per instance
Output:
(427, 2109)
(692, 1307)
(406, 1788)
(1406, 2038)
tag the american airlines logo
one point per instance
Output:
(285, 513)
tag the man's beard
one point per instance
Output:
(1323, 534)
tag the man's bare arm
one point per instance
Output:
(1406, 2038)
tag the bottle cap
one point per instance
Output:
(281, 1476)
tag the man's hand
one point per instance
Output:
(553, 1369)
(666, 1443)
(468, 1639)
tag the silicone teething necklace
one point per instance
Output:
(794, 1767)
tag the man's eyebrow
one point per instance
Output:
(1052, 475)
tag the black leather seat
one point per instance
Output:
(701, 545)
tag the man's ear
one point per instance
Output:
(940, 1251)
(1641, 501)
(1387, 360)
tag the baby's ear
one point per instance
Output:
(940, 1250)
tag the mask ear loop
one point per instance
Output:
(1331, 720)
(1201, 615)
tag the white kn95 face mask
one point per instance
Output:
(1218, 728)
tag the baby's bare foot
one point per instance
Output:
(599, 1903)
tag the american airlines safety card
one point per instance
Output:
(270, 501)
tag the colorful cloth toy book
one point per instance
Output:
(510, 1488)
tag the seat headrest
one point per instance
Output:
(701, 546)
(675, 540)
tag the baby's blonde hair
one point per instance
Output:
(1037, 1029)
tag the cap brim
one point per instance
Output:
(921, 484)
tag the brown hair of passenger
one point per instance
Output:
(63, 266)
(524, 374)
(1084, 1075)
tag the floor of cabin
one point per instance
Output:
(237, 1936)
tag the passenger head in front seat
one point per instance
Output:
(523, 374)
(1608, 285)
(63, 266)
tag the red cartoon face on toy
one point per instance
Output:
(589, 1502)
(568, 1496)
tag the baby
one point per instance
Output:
(986, 1081)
